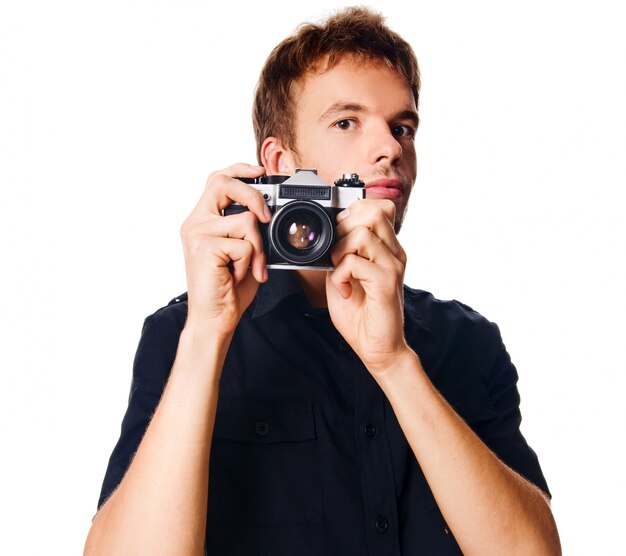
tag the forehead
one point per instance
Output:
(360, 81)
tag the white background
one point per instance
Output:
(113, 114)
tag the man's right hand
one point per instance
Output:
(224, 256)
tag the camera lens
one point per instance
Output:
(301, 232)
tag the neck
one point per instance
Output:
(313, 283)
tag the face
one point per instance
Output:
(359, 117)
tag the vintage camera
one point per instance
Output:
(301, 231)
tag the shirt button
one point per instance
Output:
(262, 428)
(382, 525)
(370, 430)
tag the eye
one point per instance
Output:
(403, 131)
(345, 124)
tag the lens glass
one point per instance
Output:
(302, 231)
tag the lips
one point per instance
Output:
(384, 188)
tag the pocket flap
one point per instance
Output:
(263, 422)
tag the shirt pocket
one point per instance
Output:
(264, 467)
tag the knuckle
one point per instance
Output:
(248, 248)
(216, 180)
(339, 272)
(362, 233)
(184, 228)
(249, 227)
(350, 259)
(249, 219)
(380, 210)
(254, 198)
(211, 179)
(189, 227)
(389, 208)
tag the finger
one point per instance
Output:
(352, 267)
(385, 207)
(223, 188)
(377, 215)
(243, 170)
(344, 288)
(242, 226)
(366, 244)
(237, 253)
(245, 226)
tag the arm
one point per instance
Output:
(161, 503)
(489, 507)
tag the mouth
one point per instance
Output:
(384, 188)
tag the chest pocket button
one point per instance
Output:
(262, 428)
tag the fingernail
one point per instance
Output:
(267, 212)
(343, 214)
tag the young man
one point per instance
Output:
(356, 415)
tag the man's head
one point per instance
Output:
(333, 95)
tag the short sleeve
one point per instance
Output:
(502, 432)
(151, 368)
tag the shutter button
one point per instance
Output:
(382, 525)
(262, 428)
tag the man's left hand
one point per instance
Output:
(364, 291)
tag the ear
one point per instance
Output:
(277, 159)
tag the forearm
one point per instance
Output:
(489, 508)
(160, 505)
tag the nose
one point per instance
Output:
(384, 147)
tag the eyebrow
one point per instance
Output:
(411, 115)
(338, 108)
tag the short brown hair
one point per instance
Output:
(354, 31)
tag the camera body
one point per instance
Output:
(301, 232)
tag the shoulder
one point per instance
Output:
(451, 335)
(158, 344)
(443, 314)
(175, 312)
(167, 322)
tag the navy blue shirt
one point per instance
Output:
(308, 457)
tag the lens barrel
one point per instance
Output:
(301, 232)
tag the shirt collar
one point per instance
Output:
(283, 283)
(280, 285)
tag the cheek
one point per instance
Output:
(340, 157)
(328, 162)
(330, 154)
(410, 157)
(312, 149)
